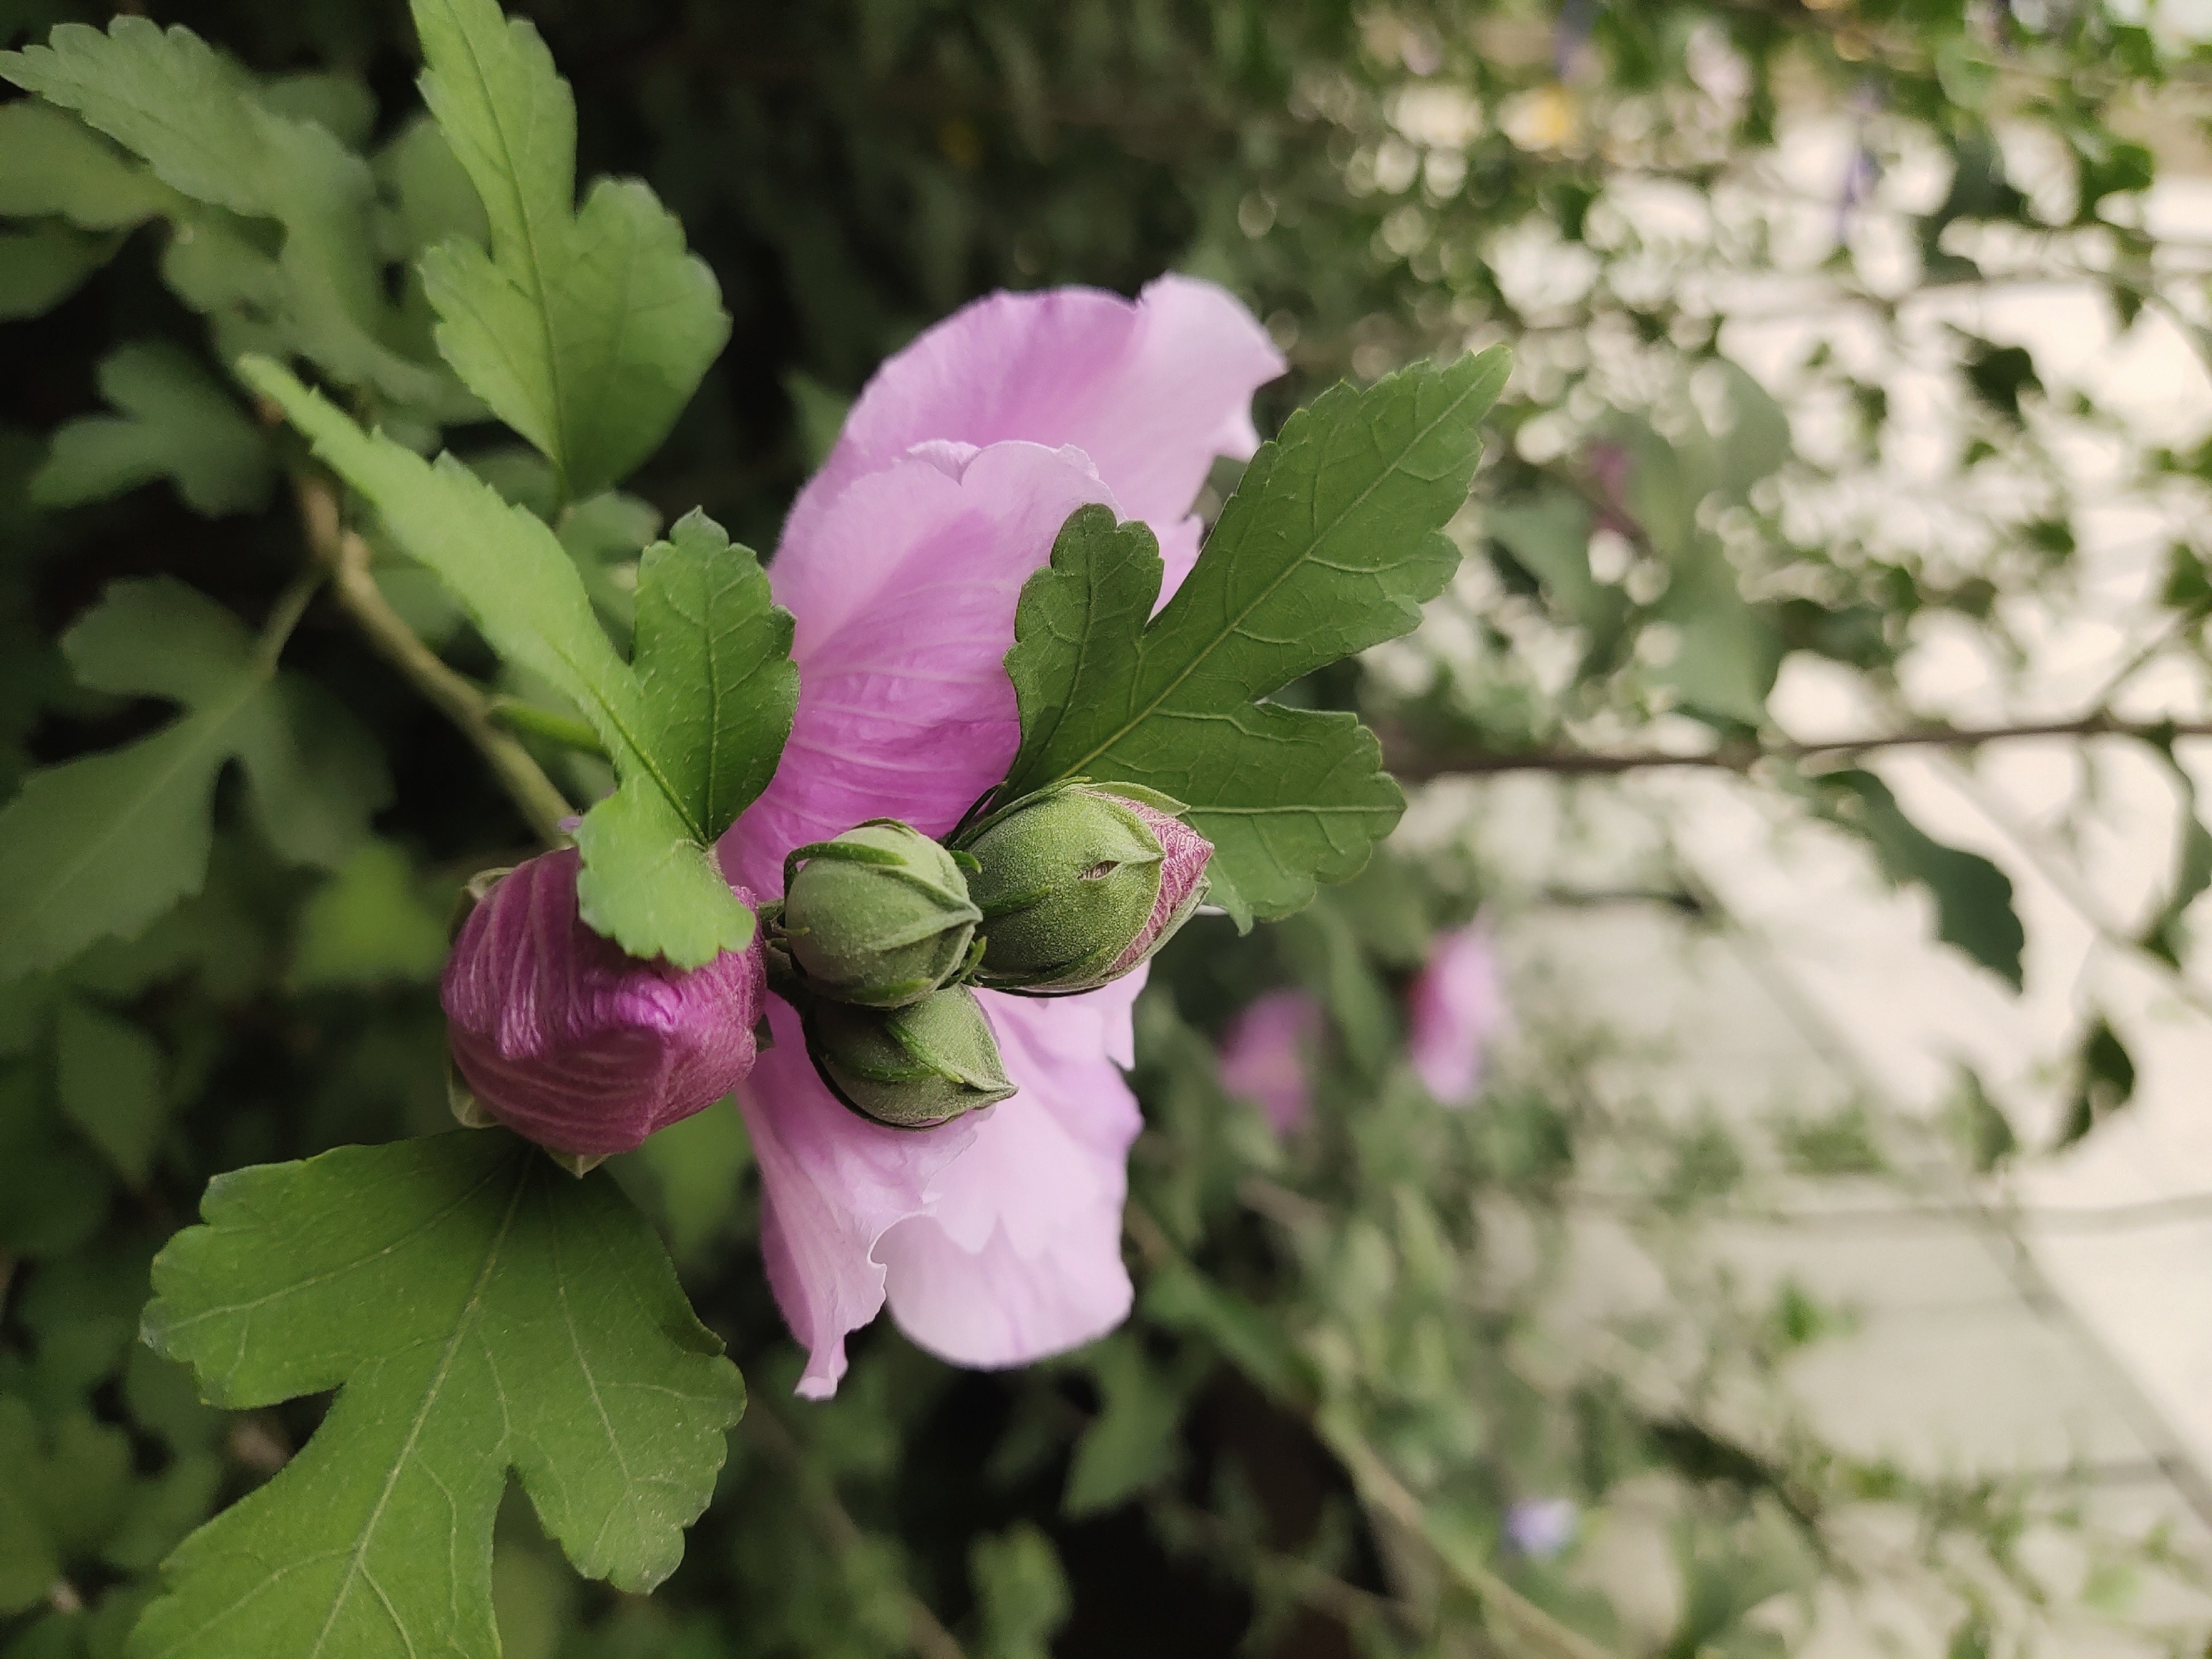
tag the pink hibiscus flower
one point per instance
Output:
(995, 1238)
(1455, 1005)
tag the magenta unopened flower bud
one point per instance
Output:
(1078, 885)
(571, 1043)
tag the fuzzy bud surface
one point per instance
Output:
(1077, 886)
(879, 916)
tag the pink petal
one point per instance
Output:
(832, 1183)
(1020, 1256)
(904, 599)
(1454, 1006)
(575, 1045)
(1263, 1055)
(998, 1236)
(1151, 390)
(1187, 853)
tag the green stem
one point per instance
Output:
(345, 555)
(566, 729)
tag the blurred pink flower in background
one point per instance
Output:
(575, 1045)
(995, 1238)
(1266, 1052)
(1454, 1006)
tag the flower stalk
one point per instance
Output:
(345, 557)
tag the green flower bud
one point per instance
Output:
(879, 916)
(1077, 886)
(911, 1067)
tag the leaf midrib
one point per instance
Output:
(592, 1386)
(539, 292)
(462, 1326)
(1290, 569)
(711, 797)
(1096, 585)
(646, 760)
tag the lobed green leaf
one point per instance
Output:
(368, 925)
(705, 619)
(588, 330)
(61, 1492)
(2165, 935)
(479, 1311)
(41, 267)
(210, 135)
(111, 1077)
(1331, 543)
(1973, 897)
(53, 1192)
(165, 95)
(175, 422)
(52, 165)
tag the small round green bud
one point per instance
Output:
(880, 916)
(911, 1067)
(1077, 886)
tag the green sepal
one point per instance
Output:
(912, 1067)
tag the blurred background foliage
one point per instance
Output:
(1367, 1405)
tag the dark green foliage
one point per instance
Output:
(2104, 1081)
(104, 844)
(1973, 897)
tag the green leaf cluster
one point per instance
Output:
(858, 171)
(172, 421)
(274, 212)
(1331, 543)
(107, 1459)
(695, 722)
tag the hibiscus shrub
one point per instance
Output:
(962, 636)
(617, 960)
